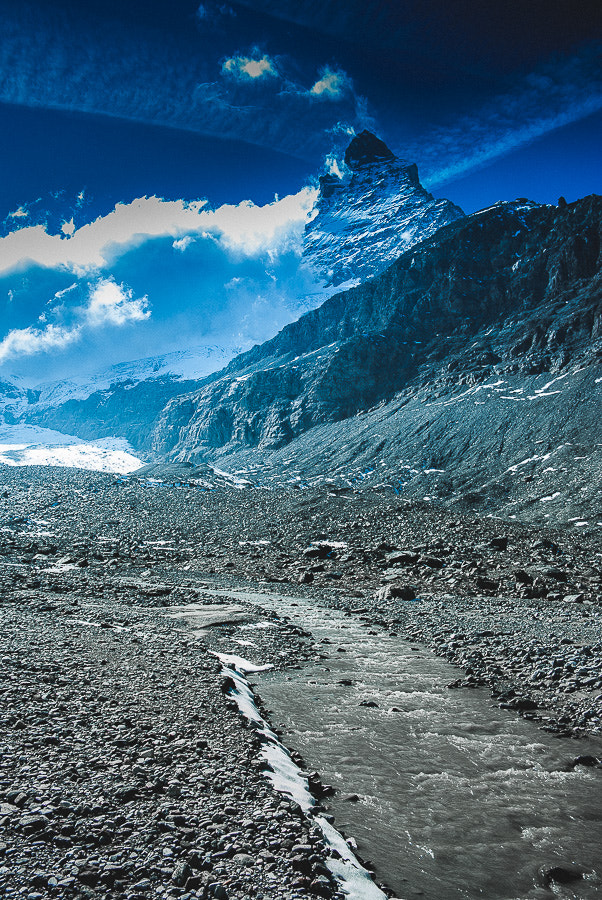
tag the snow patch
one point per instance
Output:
(233, 479)
(29, 445)
(287, 778)
(239, 663)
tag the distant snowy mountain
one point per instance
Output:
(369, 214)
(87, 421)
(181, 365)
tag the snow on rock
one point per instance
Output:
(287, 778)
(371, 215)
(240, 664)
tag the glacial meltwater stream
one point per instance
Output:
(445, 793)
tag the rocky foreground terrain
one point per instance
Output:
(125, 769)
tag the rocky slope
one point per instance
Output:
(369, 215)
(461, 339)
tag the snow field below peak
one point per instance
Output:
(30, 445)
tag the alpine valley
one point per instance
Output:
(455, 357)
(321, 618)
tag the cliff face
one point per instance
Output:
(514, 290)
(125, 410)
(370, 215)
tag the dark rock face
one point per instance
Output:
(511, 292)
(366, 148)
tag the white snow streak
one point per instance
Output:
(287, 778)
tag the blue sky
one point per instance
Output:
(102, 103)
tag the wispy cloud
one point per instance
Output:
(244, 228)
(108, 304)
(29, 341)
(555, 95)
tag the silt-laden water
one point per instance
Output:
(447, 795)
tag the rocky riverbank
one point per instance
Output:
(127, 773)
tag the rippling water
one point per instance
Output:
(457, 798)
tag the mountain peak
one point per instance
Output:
(370, 215)
(366, 148)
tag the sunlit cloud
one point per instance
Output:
(182, 244)
(245, 228)
(332, 84)
(113, 304)
(246, 68)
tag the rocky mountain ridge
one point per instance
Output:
(364, 219)
(495, 306)
(370, 213)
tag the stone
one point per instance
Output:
(181, 873)
(218, 891)
(243, 859)
(321, 886)
(585, 760)
(564, 874)
(396, 592)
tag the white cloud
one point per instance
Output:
(332, 84)
(552, 97)
(28, 341)
(112, 304)
(60, 294)
(108, 304)
(245, 228)
(246, 68)
(251, 230)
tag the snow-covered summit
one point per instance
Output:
(181, 365)
(369, 213)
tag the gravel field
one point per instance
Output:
(126, 771)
